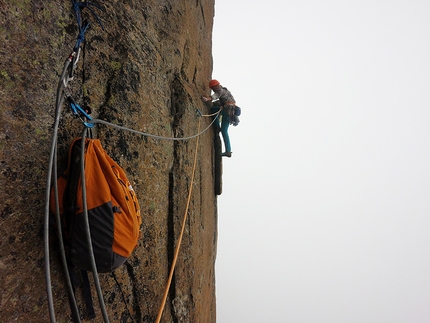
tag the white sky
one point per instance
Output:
(325, 211)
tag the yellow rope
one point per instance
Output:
(172, 269)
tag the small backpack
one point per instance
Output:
(234, 118)
(237, 111)
(113, 209)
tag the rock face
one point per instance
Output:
(145, 71)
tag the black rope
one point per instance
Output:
(122, 295)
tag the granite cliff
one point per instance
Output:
(146, 70)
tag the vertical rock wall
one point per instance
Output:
(146, 71)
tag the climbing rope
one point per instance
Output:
(211, 115)
(178, 245)
(88, 232)
(95, 121)
(52, 168)
(66, 76)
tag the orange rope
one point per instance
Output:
(175, 258)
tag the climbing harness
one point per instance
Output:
(63, 93)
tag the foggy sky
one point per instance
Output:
(324, 215)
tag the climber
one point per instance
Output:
(224, 100)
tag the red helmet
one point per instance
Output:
(213, 83)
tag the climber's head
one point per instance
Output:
(214, 84)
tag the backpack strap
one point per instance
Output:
(86, 288)
(87, 295)
(75, 283)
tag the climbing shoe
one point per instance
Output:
(227, 154)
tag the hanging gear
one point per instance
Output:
(113, 208)
(96, 200)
